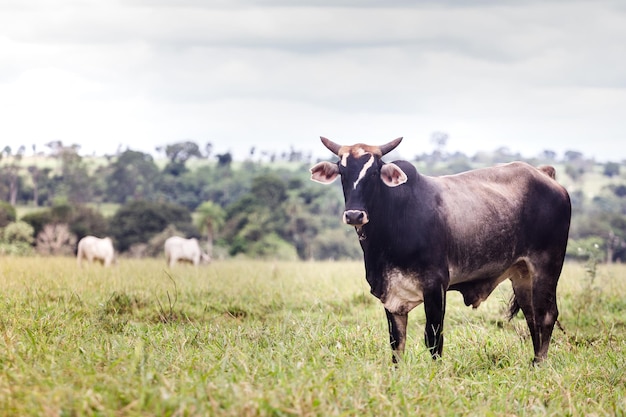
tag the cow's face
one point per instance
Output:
(361, 170)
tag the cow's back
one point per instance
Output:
(496, 214)
(178, 248)
(95, 248)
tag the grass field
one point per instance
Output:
(289, 339)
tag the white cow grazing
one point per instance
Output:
(180, 249)
(95, 249)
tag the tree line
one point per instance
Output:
(262, 207)
(258, 208)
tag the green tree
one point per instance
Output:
(210, 218)
(18, 232)
(221, 185)
(611, 169)
(224, 159)
(75, 177)
(182, 151)
(10, 170)
(138, 221)
(17, 238)
(133, 175)
(74, 182)
(81, 220)
(272, 246)
(7, 213)
(269, 191)
(178, 154)
(572, 156)
(575, 171)
(185, 189)
(88, 221)
(338, 243)
(257, 215)
(38, 219)
(39, 177)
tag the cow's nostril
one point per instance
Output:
(355, 217)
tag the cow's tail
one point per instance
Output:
(514, 307)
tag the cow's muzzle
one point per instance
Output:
(355, 217)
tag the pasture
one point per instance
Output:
(248, 338)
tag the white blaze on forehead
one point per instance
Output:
(367, 166)
(356, 152)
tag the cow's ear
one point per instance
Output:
(324, 172)
(392, 175)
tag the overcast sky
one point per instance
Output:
(525, 75)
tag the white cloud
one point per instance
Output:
(528, 76)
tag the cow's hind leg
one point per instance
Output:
(534, 289)
(397, 333)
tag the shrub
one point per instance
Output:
(271, 246)
(339, 243)
(56, 239)
(18, 232)
(139, 221)
(38, 219)
(7, 213)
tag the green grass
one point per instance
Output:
(288, 339)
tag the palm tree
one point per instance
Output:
(12, 169)
(210, 219)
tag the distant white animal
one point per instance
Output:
(180, 249)
(93, 249)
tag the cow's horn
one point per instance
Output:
(332, 146)
(388, 147)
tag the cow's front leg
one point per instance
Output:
(435, 308)
(397, 333)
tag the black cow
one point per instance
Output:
(422, 236)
